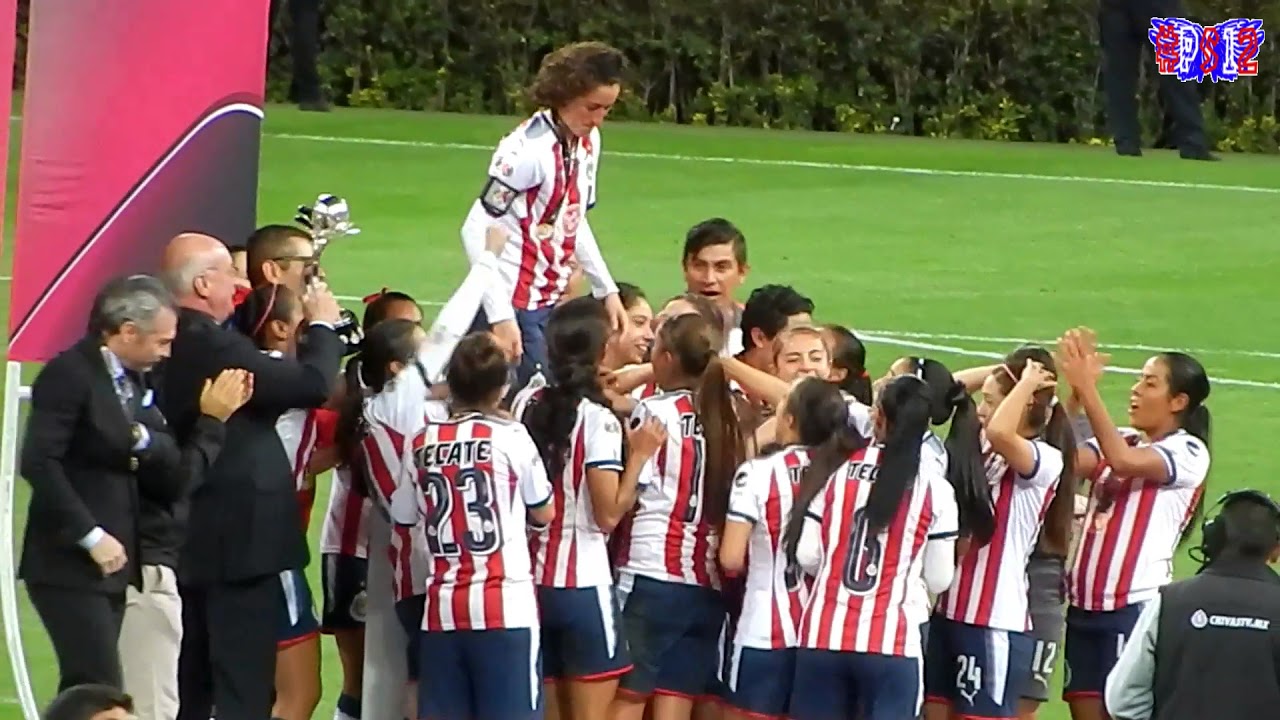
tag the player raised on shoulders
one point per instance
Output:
(542, 182)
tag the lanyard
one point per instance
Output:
(567, 177)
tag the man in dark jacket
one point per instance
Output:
(94, 437)
(242, 528)
(1209, 646)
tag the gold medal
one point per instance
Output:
(544, 231)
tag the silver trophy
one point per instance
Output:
(328, 219)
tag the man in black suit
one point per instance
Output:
(94, 436)
(243, 527)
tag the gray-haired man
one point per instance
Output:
(94, 442)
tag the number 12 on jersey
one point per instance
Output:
(460, 511)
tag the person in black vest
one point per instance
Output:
(1209, 646)
(94, 440)
(242, 525)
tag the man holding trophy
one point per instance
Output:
(541, 183)
(242, 525)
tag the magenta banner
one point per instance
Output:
(140, 121)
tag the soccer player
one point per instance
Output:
(668, 573)
(1147, 486)
(542, 181)
(762, 659)
(344, 533)
(479, 475)
(848, 363)
(271, 316)
(584, 651)
(980, 650)
(632, 345)
(870, 523)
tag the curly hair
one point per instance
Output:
(575, 70)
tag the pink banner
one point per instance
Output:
(140, 121)
(8, 43)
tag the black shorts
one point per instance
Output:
(1048, 609)
(344, 578)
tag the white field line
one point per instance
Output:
(1111, 346)
(854, 167)
(886, 337)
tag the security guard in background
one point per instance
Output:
(1122, 26)
(1208, 647)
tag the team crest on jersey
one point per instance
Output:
(503, 167)
(359, 606)
(569, 221)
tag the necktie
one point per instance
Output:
(125, 391)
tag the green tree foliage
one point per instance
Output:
(989, 69)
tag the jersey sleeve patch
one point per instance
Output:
(498, 197)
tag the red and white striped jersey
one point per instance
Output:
(763, 490)
(669, 540)
(345, 530)
(1125, 554)
(859, 416)
(860, 597)
(297, 431)
(933, 455)
(477, 477)
(539, 190)
(573, 551)
(394, 422)
(990, 585)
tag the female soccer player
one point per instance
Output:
(387, 401)
(980, 652)
(479, 475)
(584, 653)
(631, 346)
(762, 659)
(667, 569)
(344, 535)
(542, 182)
(1148, 483)
(870, 524)
(271, 315)
(848, 363)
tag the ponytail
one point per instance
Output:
(576, 334)
(725, 447)
(906, 407)
(1058, 520)
(824, 460)
(551, 417)
(350, 429)
(965, 469)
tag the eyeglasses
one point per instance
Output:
(308, 259)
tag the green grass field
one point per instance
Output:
(955, 249)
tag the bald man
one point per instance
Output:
(242, 526)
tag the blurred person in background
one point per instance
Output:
(94, 440)
(305, 87)
(1123, 26)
